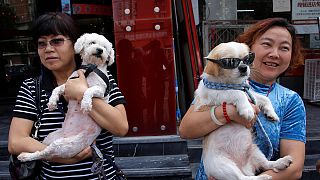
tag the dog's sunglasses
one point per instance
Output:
(231, 63)
(53, 42)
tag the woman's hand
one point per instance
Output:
(234, 116)
(75, 88)
(84, 154)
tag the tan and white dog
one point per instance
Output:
(229, 152)
(79, 130)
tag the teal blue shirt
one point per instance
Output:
(292, 125)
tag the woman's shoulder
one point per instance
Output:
(286, 92)
(289, 97)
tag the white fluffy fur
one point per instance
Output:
(229, 152)
(79, 130)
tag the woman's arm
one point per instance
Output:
(296, 149)
(196, 124)
(114, 119)
(20, 141)
(19, 137)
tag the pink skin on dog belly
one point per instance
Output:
(77, 122)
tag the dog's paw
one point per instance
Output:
(247, 113)
(86, 106)
(52, 105)
(282, 163)
(271, 114)
(273, 117)
(24, 157)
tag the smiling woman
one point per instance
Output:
(276, 45)
(276, 49)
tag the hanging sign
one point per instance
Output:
(65, 6)
(93, 9)
(305, 9)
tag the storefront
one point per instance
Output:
(158, 60)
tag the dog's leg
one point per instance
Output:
(258, 161)
(63, 147)
(53, 136)
(54, 98)
(224, 168)
(94, 91)
(243, 105)
(265, 105)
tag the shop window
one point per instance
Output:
(17, 58)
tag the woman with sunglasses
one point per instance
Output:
(276, 49)
(55, 35)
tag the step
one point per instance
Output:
(167, 166)
(312, 145)
(149, 146)
(194, 150)
(4, 154)
(310, 162)
(4, 170)
(310, 175)
(309, 172)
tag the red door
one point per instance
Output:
(145, 64)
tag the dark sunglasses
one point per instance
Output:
(53, 42)
(231, 63)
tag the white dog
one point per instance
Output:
(79, 130)
(229, 151)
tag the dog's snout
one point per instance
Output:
(242, 68)
(99, 51)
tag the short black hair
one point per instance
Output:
(54, 23)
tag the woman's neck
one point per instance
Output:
(255, 77)
(63, 75)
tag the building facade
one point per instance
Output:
(167, 36)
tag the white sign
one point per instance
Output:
(306, 28)
(281, 5)
(314, 41)
(305, 9)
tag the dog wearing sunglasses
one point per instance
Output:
(79, 130)
(229, 151)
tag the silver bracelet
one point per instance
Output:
(213, 116)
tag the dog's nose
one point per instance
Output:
(99, 51)
(242, 68)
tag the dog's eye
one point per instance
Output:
(92, 42)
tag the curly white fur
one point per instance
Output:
(229, 151)
(79, 130)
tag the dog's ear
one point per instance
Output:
(212, 69)
(110, 53)
(111, 57)
(78, 46)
